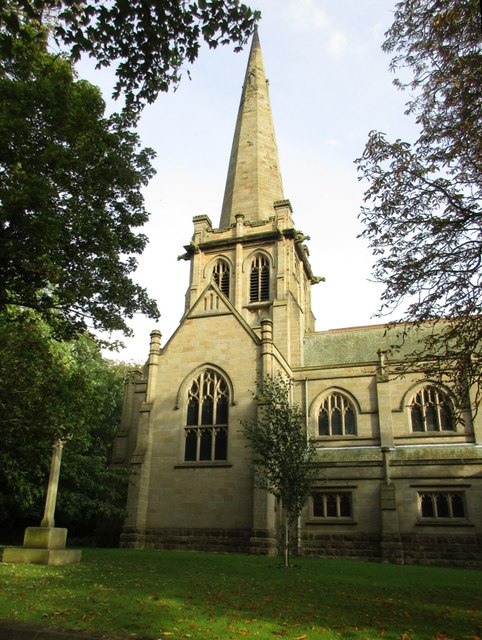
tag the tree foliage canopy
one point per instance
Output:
(70, 197)
(53, 389)
(148, 41)
(423, 218)
(282, 454)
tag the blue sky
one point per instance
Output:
(329, 86)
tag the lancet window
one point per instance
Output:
(206, 431)
(221, 276)
(431, 410)
(259, 279)
(336, 416)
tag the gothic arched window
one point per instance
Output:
(337, 416)
(221, 276)
(259, 279)
(206, 432)
(431, 410)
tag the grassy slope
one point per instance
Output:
(195, 595)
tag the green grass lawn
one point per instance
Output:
(202, 595)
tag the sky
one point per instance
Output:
(330, 85)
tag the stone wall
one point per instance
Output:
(443, 549)
(432, 549)
(331, 545)
(190, 539)
(439, 549)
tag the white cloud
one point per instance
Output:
(306, 15)
(337, 44)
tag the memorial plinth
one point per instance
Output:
(45, 544)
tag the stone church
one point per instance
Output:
(398, 471)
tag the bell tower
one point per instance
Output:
(255, 258)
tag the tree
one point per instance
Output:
(70, 197)
(149, 41)
(52, 390)
(282, 453)
(424, 220)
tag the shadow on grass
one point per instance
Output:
(204, 595)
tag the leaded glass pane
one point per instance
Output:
(323, 426)
(345, 505)
(331, 510)
(318, 510)
(206, 444)
(222, 410)
(442, 505)
(192, 411)
(446, 418)
(221, 444)
(190, 449)
(349, 421)
(336, 427)
(207, 411)
(431, 418)
(458, 510)
(427, 506)
(416, 416)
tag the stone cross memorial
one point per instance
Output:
(46, 544)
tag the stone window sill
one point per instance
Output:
(204, 464)
(443, 522)
(331, 521)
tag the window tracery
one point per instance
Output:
(431, 410)
(337, 416)
(206, 432)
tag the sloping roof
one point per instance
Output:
(359, 345)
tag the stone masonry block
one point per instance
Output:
(21, 555)
(45, 538)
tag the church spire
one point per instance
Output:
(254, 179)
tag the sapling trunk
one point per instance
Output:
(287, 540)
